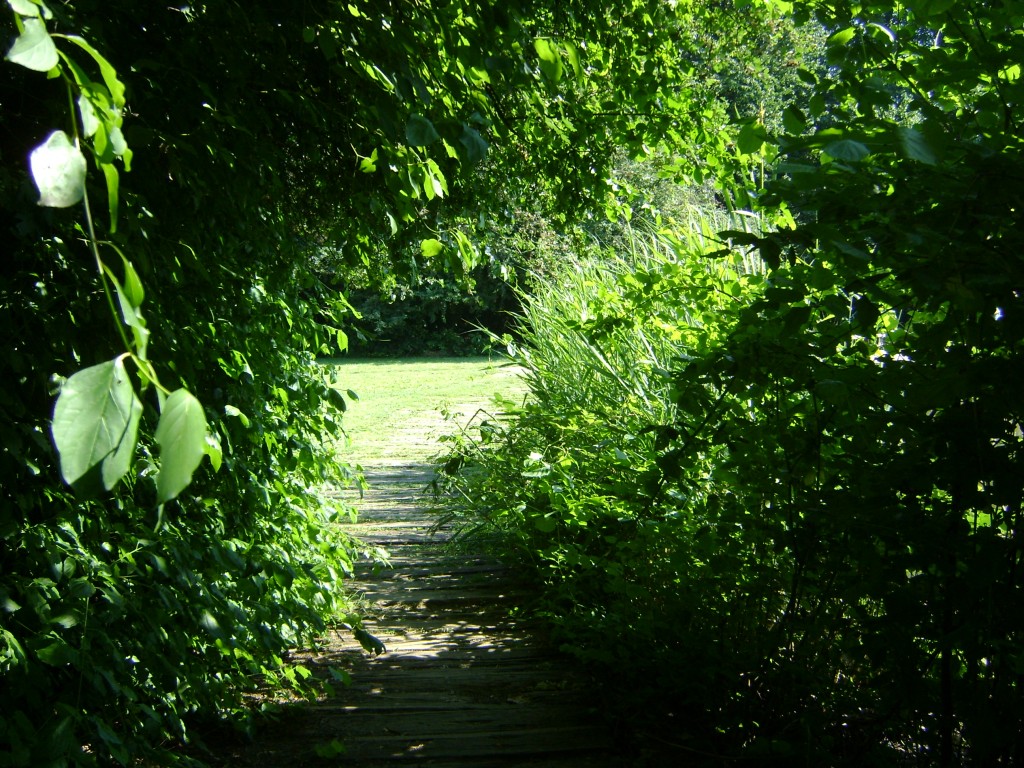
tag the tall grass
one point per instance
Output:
(615, 482)
(585, 345)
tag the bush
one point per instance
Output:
(756, 538)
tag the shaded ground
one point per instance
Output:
(463, 682)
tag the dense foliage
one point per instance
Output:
(780, 500)
(775, 470)
(229, 158)
(126, 615)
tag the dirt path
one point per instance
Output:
(463, 683)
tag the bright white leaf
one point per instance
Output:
(58, 169)
(117, 142)
(90, 120)
(96, 421)
(28, 8)
(34, 47)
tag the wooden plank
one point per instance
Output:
(463, 684)
(474, 743)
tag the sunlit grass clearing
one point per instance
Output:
(400, 412)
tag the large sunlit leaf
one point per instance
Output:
(751, 138)
(34, 48)
(572, 55)
(431, 248)
(96, 422)
(181, 435)
(550, 59)
(58, 170)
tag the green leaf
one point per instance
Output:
(809, 78)
(80, 588)
(369, 164)
(573, 56)
(837, 46)
(846, 150)
(466, 251)
(794, 120)
(545, 524)
(96, 422)
(65, 620)
(34, 47)
(881, 32)
(57, 654)
(109, 74)
(90, 120)
(231, 410)
(550, 59)
(113, 184)
(928, 9)
(133, 289)
(915, 146)
(840, 38)
(431, 248)
(117, 142)
(429, 188)
(181, 435)
(213, 451)
(58, 170)
(337, 399)
(751, 138)
(130, 311)
(28, 8)
(474, 144)
(420, 132)
(333, 748)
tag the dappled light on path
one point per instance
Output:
(464, 680)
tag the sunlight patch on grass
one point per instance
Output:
(400, 412)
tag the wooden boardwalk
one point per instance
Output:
(463, 682)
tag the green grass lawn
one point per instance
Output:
(402, 404)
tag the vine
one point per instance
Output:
(96, 419)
